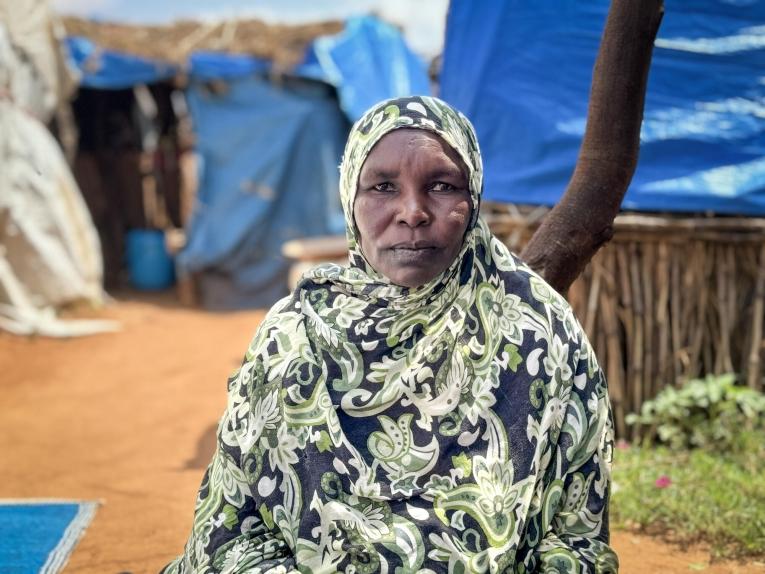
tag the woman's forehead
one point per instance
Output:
(405, 145)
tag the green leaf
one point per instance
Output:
(325, 442)
(463, 462)
(265, 513)
(515, 357)
(231, 519)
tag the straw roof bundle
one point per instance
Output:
(284, 45)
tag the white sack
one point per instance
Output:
(49, 249)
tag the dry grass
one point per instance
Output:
(284, 45)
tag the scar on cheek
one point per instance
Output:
(459, 216)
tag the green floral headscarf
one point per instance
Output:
(421, 112)
(416, 112)
(462, 426)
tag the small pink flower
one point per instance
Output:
(663, 481)
(622, 444)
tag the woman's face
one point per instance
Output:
(412, 206)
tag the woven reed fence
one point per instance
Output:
(667, 300)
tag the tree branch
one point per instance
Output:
(582, 221)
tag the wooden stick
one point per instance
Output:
(637, 341)
(697, 338)
(662, 315)
(592, 301)
(650, 380)
(718, 337)
(676, 319)
(194, 38)
(753, 371)
(628, 321)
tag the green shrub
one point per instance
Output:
(712, 413)
(700, 473)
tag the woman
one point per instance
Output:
(432, 407)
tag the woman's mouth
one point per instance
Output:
(412, 253)
(413, 245)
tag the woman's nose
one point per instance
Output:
(412, 209)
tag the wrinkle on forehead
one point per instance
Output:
(385, 159)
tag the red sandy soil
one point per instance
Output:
(128, 419)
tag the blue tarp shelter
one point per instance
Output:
(269, 174)
(269, 151)
(521, 71)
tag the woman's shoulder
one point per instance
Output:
(536, 295)
(520, 279)
(280, 318)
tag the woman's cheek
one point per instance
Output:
(460, 215)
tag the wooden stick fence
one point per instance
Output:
(667, 300)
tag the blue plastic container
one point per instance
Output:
(150, 267)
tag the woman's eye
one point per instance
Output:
(385, 186)
(442, 186)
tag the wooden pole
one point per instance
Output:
(582, 221)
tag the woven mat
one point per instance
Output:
(37, 536)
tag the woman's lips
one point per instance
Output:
(413, 245)
(412, 253)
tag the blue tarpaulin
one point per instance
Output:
(268, 174)
(368, 62)
(222, 66)
(521, 71)
(108, 70)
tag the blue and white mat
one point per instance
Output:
(37, 536)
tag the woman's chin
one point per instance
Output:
(413, 268)
(411, 277)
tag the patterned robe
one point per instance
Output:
(460, 426)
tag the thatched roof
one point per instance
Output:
(282, 44)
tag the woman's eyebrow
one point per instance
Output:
(446, 172)
(380, 173)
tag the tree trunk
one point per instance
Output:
(582, 221)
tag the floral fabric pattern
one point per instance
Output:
(461, 426)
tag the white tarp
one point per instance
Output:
(40, 77)
(49, 249)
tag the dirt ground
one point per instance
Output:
(128, 419)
